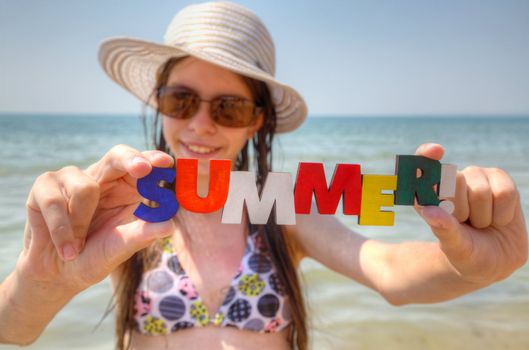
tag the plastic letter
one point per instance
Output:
(186, 185)
(346, 181)
(409, 186)
(276, 190)
(447, 188)
(373, 199)
(148, 187)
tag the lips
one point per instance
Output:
(198, 150)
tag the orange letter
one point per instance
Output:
(186, 185)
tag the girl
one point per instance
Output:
(192, 282)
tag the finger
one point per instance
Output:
(36, 234)
(132, 237)
(121, 160)
(430, 150)
(443, 225)
(83, 196)
(48, 198)
(159, 159)
(504, 194)
(479, 197)
(461, 211)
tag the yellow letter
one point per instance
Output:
(373, 199)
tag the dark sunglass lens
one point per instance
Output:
(179, 105)
(233, 112)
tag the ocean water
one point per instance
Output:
(343, 314)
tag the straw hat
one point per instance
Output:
(221, 33)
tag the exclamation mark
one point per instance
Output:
(447, 187)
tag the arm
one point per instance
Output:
(79, 229)
(484, 241)
(26, 308)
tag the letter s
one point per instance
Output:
(149, 188)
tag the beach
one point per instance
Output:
(343, 314)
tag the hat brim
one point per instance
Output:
(133, 64)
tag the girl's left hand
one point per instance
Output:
(485, 238)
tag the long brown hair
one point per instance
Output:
(280, 250)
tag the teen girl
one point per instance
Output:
(192, 282)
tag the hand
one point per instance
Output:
(80, 224)
(485, 239)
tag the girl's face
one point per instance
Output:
(200, 137)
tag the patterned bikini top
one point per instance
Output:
(167, 301)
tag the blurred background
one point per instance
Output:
(379, 78)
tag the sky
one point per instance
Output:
(407, 57)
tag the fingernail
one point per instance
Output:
(79, 243)
(68, 252)
(155, 156)
(138, 160)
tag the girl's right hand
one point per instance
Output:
(80, 224)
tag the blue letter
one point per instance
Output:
(149, 188)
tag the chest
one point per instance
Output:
(211, 271)
(237, 286)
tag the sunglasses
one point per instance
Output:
(231, 111)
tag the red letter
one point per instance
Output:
(186, 185)
(346, 180)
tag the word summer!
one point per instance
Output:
(370, 197)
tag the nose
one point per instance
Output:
(202, 123)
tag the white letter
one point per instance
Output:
(277, 189)
(447, 187)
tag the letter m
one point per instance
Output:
(276, 190)
(346, 182)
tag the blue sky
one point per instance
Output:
(418, 57)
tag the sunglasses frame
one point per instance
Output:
(214, 113)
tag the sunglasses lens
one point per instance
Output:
(180, 105)
(233, 112)
(227, 111)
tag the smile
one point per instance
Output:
(199, 149)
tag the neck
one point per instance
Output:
(207, 229)
(202, 185)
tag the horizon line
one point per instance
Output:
(318, 115)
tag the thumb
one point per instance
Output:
(134, 236)
(430, 150)
(443, 225)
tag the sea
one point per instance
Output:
(342, 313)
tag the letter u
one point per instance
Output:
(186, 185)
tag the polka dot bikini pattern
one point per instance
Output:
(251, 285)
(159, 281)
(186, 288)
(199, 313)
(172, 308)
(167, 301)
(229, 296)
(174, 265)
(181, 325)
(268, 305)
(142, 303)
(276, 284)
